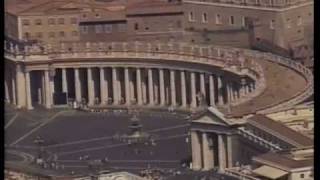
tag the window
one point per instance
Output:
(98, 15)
(191, 16)
(122, 27)
(84, 29)
(179, 24)
(51, 21)
(51, 34)
(288, 23)
(61, 21)
(231, 20)
(74, 33)
(136, 26)
(73, 20)
(39, 34)
(204, 17)
(38, 22)
(218, 19)
(299, 21)
(107, 28)
(25, 22)
(272, 24)
(26, 35)
(84, 16)
(301, 175)
(61, 34)
(98, 28)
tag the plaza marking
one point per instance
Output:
(25, 156)
(37, 128)
(116, 145)
(11, 120)
(110, 137)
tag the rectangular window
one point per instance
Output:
(51, 21)
(51, 34)
(107, 28)
(204, 17)
(84, 29)
(61, 21)
(98, 28)
(191, 17)
(122, 27)
(299, 21)
(38, 22)
(136, 26)
(61, 34)
(218, 19)
(73, 20)
(288, 23)
(272, 24)
(25, 22)
(26, 35)
(231, 20)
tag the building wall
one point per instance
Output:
(11, 25)
(68, 31)
(300, 175)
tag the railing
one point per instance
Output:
(252, 137)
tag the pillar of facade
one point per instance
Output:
(6, 91)
(229, 151)
(150, 87)
(127, 86)
(211, 89)
(193, 91)
(64, 80)
(196, 151)
(162, 90)
(39, 95)
(115, 86)
(14, 99)
(220, 91)
(202, 85)
(77, 85)
(20, 86)
(229, 94)
(28, 91)
(51, 87)
(139, 90)
(183, 89)
(47, 89)
(132, 82)
(144, 87)
(208, 158)
(242, 88)
(103, 87)
(173, 88)
(90, 85)
(43, 88)
(221, 152)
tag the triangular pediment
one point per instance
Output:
(211, 116)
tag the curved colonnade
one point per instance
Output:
(136, 74)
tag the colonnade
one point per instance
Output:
(124, 86)
(211, 150)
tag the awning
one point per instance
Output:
(269, 172)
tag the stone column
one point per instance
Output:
(47, 89)
(51, 84)
(139, 90)
(222, 152)
(228, 89)
(90, 87)
(64, 81)
(193, 91)
(220, 91)
(202, 85)
(14, 100)
(162, 91)
(6, 90)
(212, 93)
(43, 87)
(150, 87)
(229, 151)
(242, 88)
(39, 95)
(103, 88)
(208, 161)
(115, 86)
(20, 84)
(127, 86)
(77, 85)
(196, 151)
(183, 89)
(173, 88)
(132, 90)
(28, 91)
